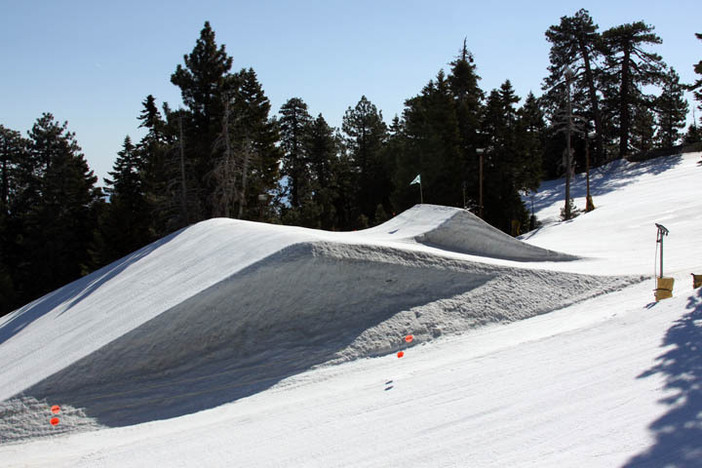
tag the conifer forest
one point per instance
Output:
(224, 152)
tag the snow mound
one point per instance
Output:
(461, 231)
(226, 308)
(307, 304)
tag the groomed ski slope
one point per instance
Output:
(591, 384)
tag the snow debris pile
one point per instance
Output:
(27, 417)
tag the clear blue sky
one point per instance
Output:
(92, 63)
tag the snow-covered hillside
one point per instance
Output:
(236, 342)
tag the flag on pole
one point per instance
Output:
(417, 180)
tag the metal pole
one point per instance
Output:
(661, 270)
(662, 232)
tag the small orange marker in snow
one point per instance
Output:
(55, 409)
(409, 338)
(400, 354)
(54, 421)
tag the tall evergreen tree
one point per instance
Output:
(154, 172)
(433, 147)
(295, 124)
(366, 134)
(575, 44)
(696, 87)
(203, 79)
(532, 134)
(632, 67)
(643, 129)
(125, 221)
(695, 132)
(255, 137)
(671, 110)
(13, 153)
(58, 227)
(203, 82)
(509, 166)
(468, 99)
(322, 152)
(13, 150)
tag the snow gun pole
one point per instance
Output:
(662, 232)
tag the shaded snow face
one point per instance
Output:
(306, 305)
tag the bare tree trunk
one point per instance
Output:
(229, 182)
(569, 158)
(183, 201)
(599, 140)
(624, 115)
(242, 197)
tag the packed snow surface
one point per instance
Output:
(233, 342)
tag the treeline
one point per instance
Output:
(224, 153)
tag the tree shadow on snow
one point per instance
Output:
(603, 180)
(73, 293)
(679, 431)
(277, 318)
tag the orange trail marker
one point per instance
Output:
(409, 338)
(55, 409)
(54, 421)
(400, 354)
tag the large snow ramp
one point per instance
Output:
(225, 308)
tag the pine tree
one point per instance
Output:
(366, 133)
(204, 82)
(322, 152)
(58, 227)
(696, 87)
(508, 167)
(255, 137)
(671, 110)
(203, 79)
(468, 98)
(125, 221)
(13, 152)
(575, 44)
(632, 68)
(532, 134)
(643, 129)
(13, 149)
(295, 124)
(154, 173)
(433, 147)
(694, 134)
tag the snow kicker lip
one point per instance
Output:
(466, 233)
(458, 230)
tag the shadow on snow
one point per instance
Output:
(73, 293)
(679, 432)
(603, 180)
